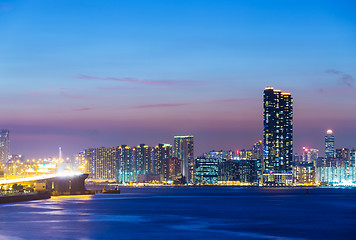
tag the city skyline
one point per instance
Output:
(106, 74)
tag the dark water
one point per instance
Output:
(186, 213)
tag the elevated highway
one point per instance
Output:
(57, 184)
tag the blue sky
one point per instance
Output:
(79, 74)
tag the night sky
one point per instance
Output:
(79, 74)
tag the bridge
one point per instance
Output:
(20, 179)
(57, 184)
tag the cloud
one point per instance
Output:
(347, 80)
(138, 81)
(231, 100)
(68, 89)
(344, 79)
(162, 105)
(331, 71)
(65, 95)
(117, 88)
(34, 93)
(170, 105)
(83, 109)
(336, 91)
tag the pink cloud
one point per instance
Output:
(231, 100)
(65, 95)
(68, 89)
(137, 81)
(162, 105)
(117, 88)
(167, 105)
(35, 93)
(83, 109)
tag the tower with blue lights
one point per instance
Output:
(184, 149)
(329, 144)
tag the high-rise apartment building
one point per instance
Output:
(82, 162)
(124, 166)
(102, 162)
(4, 145)
(175, 168)
(329, 144)
(277, 137)
(184, 149)
(159, 153)
(245, 154)
(142, 163)
(257, 150)
(171, 170)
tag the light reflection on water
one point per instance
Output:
(168, 213)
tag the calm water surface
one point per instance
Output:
(186, 213)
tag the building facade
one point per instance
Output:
(183, 149)
(336, 175)
(277, 137)
(4, 145)
(125, 171)
(142, 161)
(207, 170)
(226, 155)
(304, 173)
(229, 171)
(240, 171)
(171, 170)
(102, 162)
(329, 144)
(257, 150)
(159, 153)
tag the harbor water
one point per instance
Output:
(187, 213)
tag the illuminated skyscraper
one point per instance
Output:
(184, 149)
(329, 144)
(124, 166)
(102, 162)
(257, 150)
(277, 137)
(4, 145)
(159, 153)
(207, 170)
(142, 159)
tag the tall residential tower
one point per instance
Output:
(4, 145)
(277, 137)
(184, 149)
